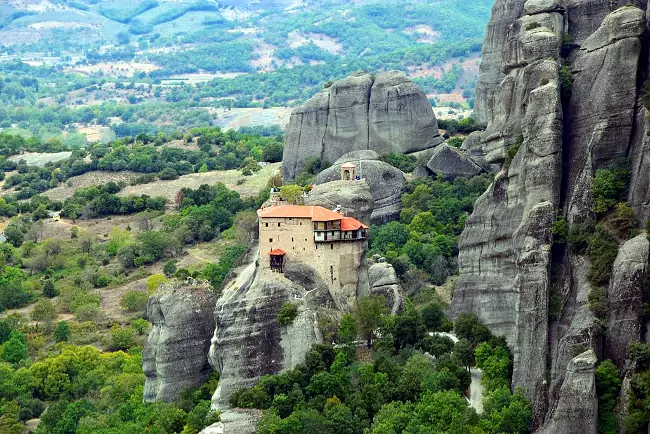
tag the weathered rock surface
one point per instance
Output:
(386, 182)
(625, 298)
(452, 163)
(504, 258)
(384, 281)
(504, 13)
(248, 342)
(576, 410)
(175, 356)
(355, 198)
(506, 243)
(385, 112)
(235, 421)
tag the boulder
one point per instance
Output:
(452, 163)
(625, 298)
(175, 356)
(354, 198)
(384, 112)
(577, 405)
(384, 281)
(386, 182)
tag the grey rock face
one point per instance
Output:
(504, 13)
(384, 281)
(452, 163)
(248, 342)
(577, 405)
(355, 198)
(386, 182)
(504, 258)
(236, 421)
(175, 356)
(601, 119)
(385, 112)
(625, 298)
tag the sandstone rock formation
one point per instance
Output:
(625, 298)
(175, 356)
(560, 90)
(449, 161)
(386, 182)
(384, 282)
(384, 112)
(576, 410)
(236, 421)
(355, 198)
(248, 342)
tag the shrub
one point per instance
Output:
(134, 301)
(598, 302)
(533, 25)
(602, 250)
(140, 325)
(512, 151)
(288, 312)
(15, 349)
(121, 338)
(168, 173)
(49, 290)
(578, 237)
(610, 186)
(608, 386)
(62, 331)
(169, 269)
(624, 221)
(43, 310)
(566, 83)
(154, 282)
(560, 231)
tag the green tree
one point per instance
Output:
(291, 193)
(134, 301)
(288, 312)
(348, 329)
(369, 316)
(639, 354)
(608, 386)
(49, 289)
(465, 353)
(43, 310)
(15, 349)
(121, 338)
(467, 326)
(5, 331)
(61, 331)
(433, 315)
(169, 269)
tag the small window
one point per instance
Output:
(267, 225)
(305, 239)
(270, 240)
(332, 245)
(292, 239)
(278, 224)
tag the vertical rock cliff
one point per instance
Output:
(560, 92)
(384, 112)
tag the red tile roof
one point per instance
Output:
(350, 224)
(315, 213)
(277, 252)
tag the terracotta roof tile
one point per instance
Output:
(315, 213)
(350, 224)
(277, 252)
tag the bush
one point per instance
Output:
(602, 250)
(288, 312)
(140, 325)
(62, 331)
(49, 290)
(624, 221)
(134, 301)
(610, 186)
(43, 310)
(121, 338)
(512, 151)
(169, 269)
(608, 386)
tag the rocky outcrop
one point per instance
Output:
(354, 198)
(248, 342)
(504, 13)
(595, 52)
(577, 405)
(452, 163)
(505, 249)
(625, 298)
(175, 356)
(235, 421)
(386, 182)
(384, 282)
(384, 112)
